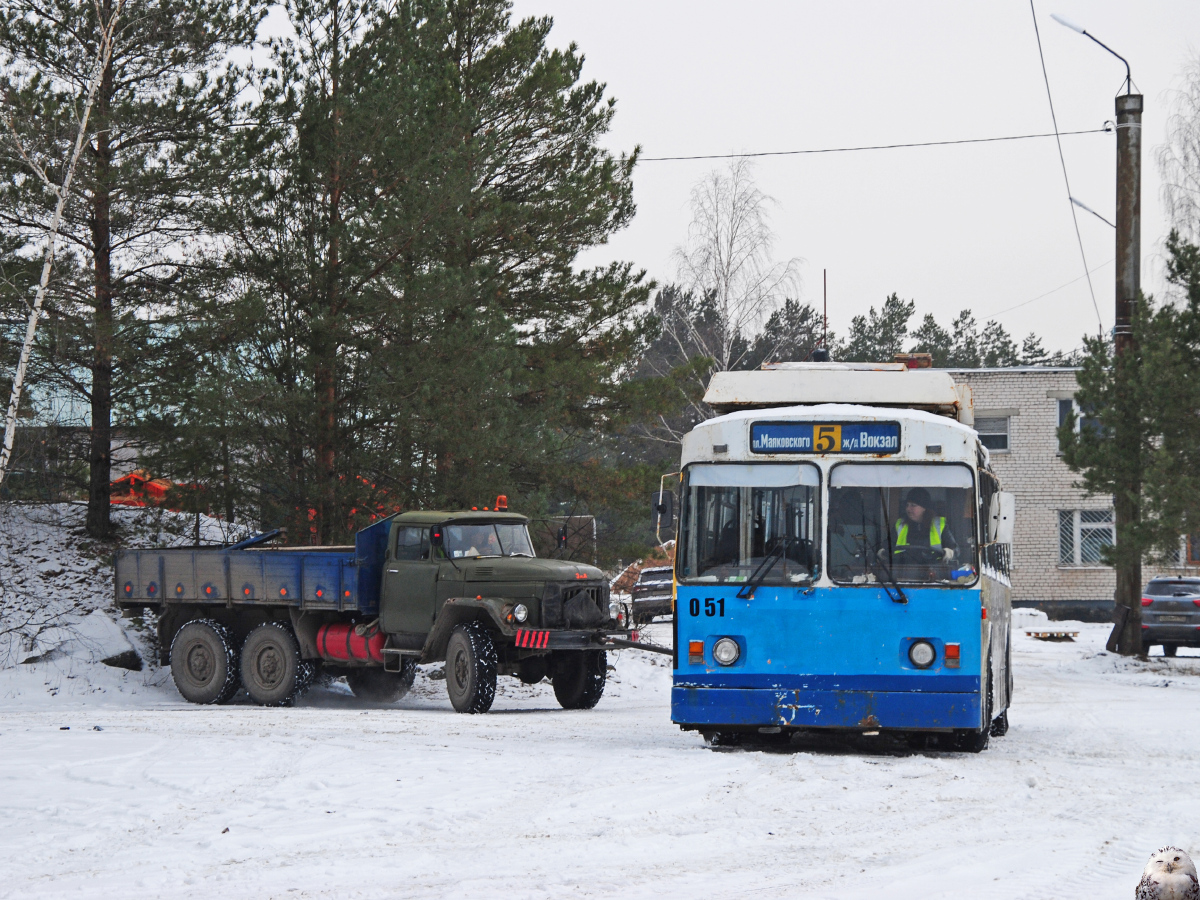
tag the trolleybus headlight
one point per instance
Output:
(726, 651)
(520, 612)
(922, 654)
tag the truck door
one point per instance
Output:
(409, 583)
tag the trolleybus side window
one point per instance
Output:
(911, 524)
(738, 518)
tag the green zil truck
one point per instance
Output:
(422, 587)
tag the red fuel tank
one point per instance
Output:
(342, 642)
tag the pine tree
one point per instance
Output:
(878, 336)
(162, 95)
(1154, 393)
(791, 334)
(933, 339)
(404, 323)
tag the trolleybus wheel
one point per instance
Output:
(378, 686)
(1000, 725)
(579, 677)
(722, 738)
(471, 668)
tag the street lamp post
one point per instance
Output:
(1126, 637)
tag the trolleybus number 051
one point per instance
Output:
(711, 607)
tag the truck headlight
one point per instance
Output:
(726, 651)
(520, 612)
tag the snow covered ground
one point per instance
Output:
(111, 786)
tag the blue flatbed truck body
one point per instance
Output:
(338, 579)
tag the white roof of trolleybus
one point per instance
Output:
(869, 384)
(924, 436)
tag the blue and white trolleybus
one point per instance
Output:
(841, 565)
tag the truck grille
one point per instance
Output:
(557, 596)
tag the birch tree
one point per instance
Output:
(15, 145)
(163, 92)
(728, 262)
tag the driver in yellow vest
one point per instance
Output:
(918, 529)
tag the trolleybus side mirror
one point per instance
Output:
(1001, 518)
(663, 505)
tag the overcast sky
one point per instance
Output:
(980, 226)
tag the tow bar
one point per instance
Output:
(613, 643)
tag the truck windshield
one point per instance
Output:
(464, 541)
(912, 524)
(755, 519)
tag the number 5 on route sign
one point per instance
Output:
(828, 438)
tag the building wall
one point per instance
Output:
(1034, 472)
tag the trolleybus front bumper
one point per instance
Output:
(835, 703)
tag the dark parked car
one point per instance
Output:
(1171, 614)
(652, 594)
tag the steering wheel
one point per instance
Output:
(919, 556)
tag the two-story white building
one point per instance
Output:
(1060, 530)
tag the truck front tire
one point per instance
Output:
(204, 662)
(378, 686)
(579, 677)
(471, 668)
(272, 671)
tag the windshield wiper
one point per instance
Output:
(754, 582)
(890, 586)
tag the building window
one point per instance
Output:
(1081, 421)
(993, 432)
(1082, 536)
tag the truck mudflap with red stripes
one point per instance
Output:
(532, 640)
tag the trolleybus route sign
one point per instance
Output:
(825, 437)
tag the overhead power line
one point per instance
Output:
(987, 140)
(1062, 159)
(1009, 309)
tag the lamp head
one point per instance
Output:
(1063, 20)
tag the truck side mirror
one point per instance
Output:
(663, 505)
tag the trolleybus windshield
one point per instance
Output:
(911, 524)
(757, 519)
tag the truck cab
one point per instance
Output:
(467, 586)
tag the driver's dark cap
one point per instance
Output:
(919, 496)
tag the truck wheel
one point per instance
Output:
(471, 668)
(579, 678)
(204, 662)
(272, 671)
(378, 686)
